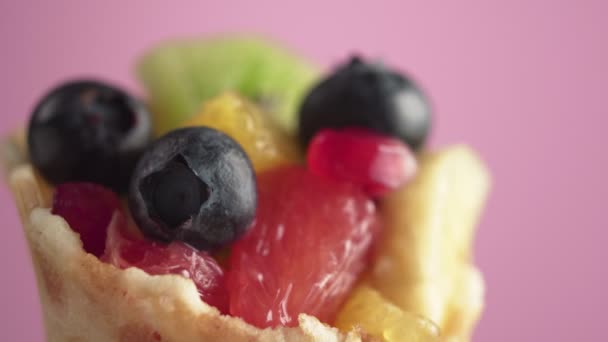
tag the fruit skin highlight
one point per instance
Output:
(265, 143)
(367, 309)
(194, 185)
(180, 75)
(309, 243)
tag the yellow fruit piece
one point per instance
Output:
(425, 264)
(367, 309)
(266, 145)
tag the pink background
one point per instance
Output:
(522, 81)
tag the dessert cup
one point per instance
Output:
(85, 299)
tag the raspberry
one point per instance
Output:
(88, 209)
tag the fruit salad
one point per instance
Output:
(297, 204)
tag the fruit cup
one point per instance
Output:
(251, 219)
(85, 299)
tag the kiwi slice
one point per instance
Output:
(180, 75)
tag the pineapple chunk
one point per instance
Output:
(265, 143)
(425, 263)
(366, 309)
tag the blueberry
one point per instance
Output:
(194, 185)
(88, 131)
(368, 95)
